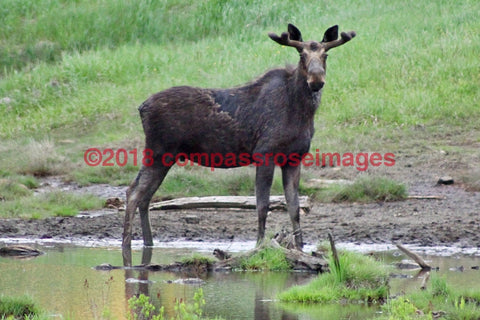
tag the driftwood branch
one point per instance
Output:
(325, 183)
(334, 251)
(426, 276)
(419, 197)
(415, 257)
(241, 202)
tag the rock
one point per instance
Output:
(191, 219)
(105, 267)
(6, 100)
(192, 281)
(445, 180)
(133, 280)
(19, 251)
(457, 269)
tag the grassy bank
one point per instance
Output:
(73, 73)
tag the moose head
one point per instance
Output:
(313, 54)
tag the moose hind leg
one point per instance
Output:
(291, 178)
(263, 183)
(139, 195)
(154, 181)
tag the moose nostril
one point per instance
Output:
(316, 86)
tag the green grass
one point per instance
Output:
(359, 279)
(57, 203)
(438, 301)
(266, 259)
(364, 189)
(73, 73)
(18, 308)
(197, 260)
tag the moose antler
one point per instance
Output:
(285, 40)
(345, 37)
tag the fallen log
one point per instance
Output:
(241, 202)
(415, 257)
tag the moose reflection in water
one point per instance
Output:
(137, 282)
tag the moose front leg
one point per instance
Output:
(291, 178)
(263, 183)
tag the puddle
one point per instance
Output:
(63, 282)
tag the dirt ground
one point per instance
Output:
(454, 220)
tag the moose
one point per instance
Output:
(271, 115)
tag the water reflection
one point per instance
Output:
(264, 308)
(56, 281)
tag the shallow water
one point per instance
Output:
(63, 282)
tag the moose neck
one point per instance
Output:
(304, 100)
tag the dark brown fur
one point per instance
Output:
(273, 114)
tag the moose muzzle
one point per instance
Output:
(315, 76)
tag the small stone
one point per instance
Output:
(446, 180)
(104, 266)
(5, 100)
(192, 219)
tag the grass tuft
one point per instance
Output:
(17, 308)
(365, 189)
(197, 260)
(472, 180)
(266, 259)
(360, 278)
(41, 158)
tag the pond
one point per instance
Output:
(63, 282)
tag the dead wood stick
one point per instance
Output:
(415, 257)
(419, 197)
(426, 276)
(334, 252)
(242, 202)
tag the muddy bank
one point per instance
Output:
(451, 221)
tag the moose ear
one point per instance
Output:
(331, 34)
(294, 33)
